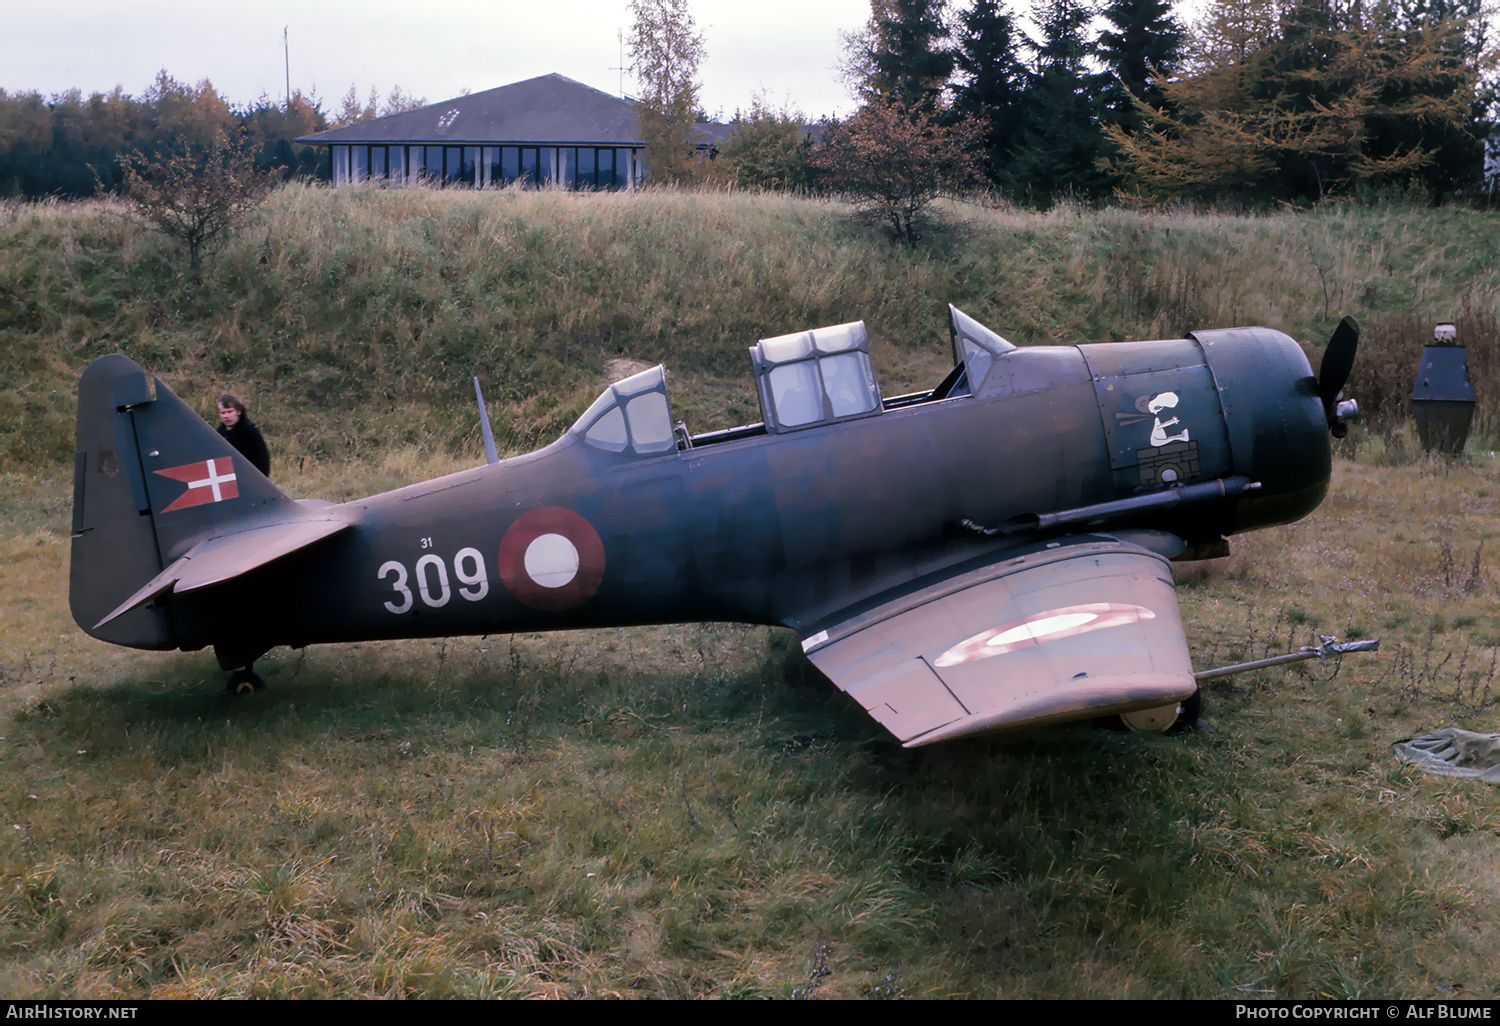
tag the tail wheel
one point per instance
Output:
(244, 682)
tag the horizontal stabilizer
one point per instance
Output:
(228, 556)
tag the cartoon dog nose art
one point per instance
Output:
(1159, 436)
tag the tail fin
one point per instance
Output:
(150, 480)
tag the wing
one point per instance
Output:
(1084, 627)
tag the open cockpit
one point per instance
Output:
(805, 380)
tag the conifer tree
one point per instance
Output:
(69, 146)
(902, 54)
(351, 111)
(1309, 101)
(1453, 34)
(1145, 44)
(397, 102)
(185, 116)
(1063, 144)
(992, 84)
(270, 126)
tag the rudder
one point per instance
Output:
(150, 478)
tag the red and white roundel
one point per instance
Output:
(552, 559)
(1041, 627)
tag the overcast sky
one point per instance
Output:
(788, 49)
(430, 48)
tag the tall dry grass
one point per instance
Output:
(354, 318)
(689, 811)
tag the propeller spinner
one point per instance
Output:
(1333, 374)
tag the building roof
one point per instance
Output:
(547, 109)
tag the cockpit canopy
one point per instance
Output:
(815, 377)
(804, 380)
(631, 416)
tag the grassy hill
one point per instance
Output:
(688, 811)
(354, 319)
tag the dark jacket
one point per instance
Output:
(245, 437)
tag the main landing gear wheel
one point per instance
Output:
(244, 682)
(1192, 712)
(1171, 719)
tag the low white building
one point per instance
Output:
(548, 130)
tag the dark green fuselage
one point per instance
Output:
(747, 525)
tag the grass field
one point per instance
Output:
(353, 320)
(691, 810)
(685, 811)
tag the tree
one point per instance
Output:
(397, 102)
(900, 54)
(1454, 75)
(992, 86)
(1230, 34)
(1144, 46)
(896, 161)
(185, 115)
(195, 198)
(665, 52)
(770, 149)
(1063, 145)
(270, 126)
(1310, 101)
(69, 146)
(351, 111)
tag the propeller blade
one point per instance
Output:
(1338, 361)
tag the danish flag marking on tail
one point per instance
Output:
(207, 481)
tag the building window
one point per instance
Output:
(569, 167)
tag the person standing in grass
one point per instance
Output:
(238, 431)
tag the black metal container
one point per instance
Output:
(1443, 401)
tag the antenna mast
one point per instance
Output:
(620, 35)
(287, 53)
